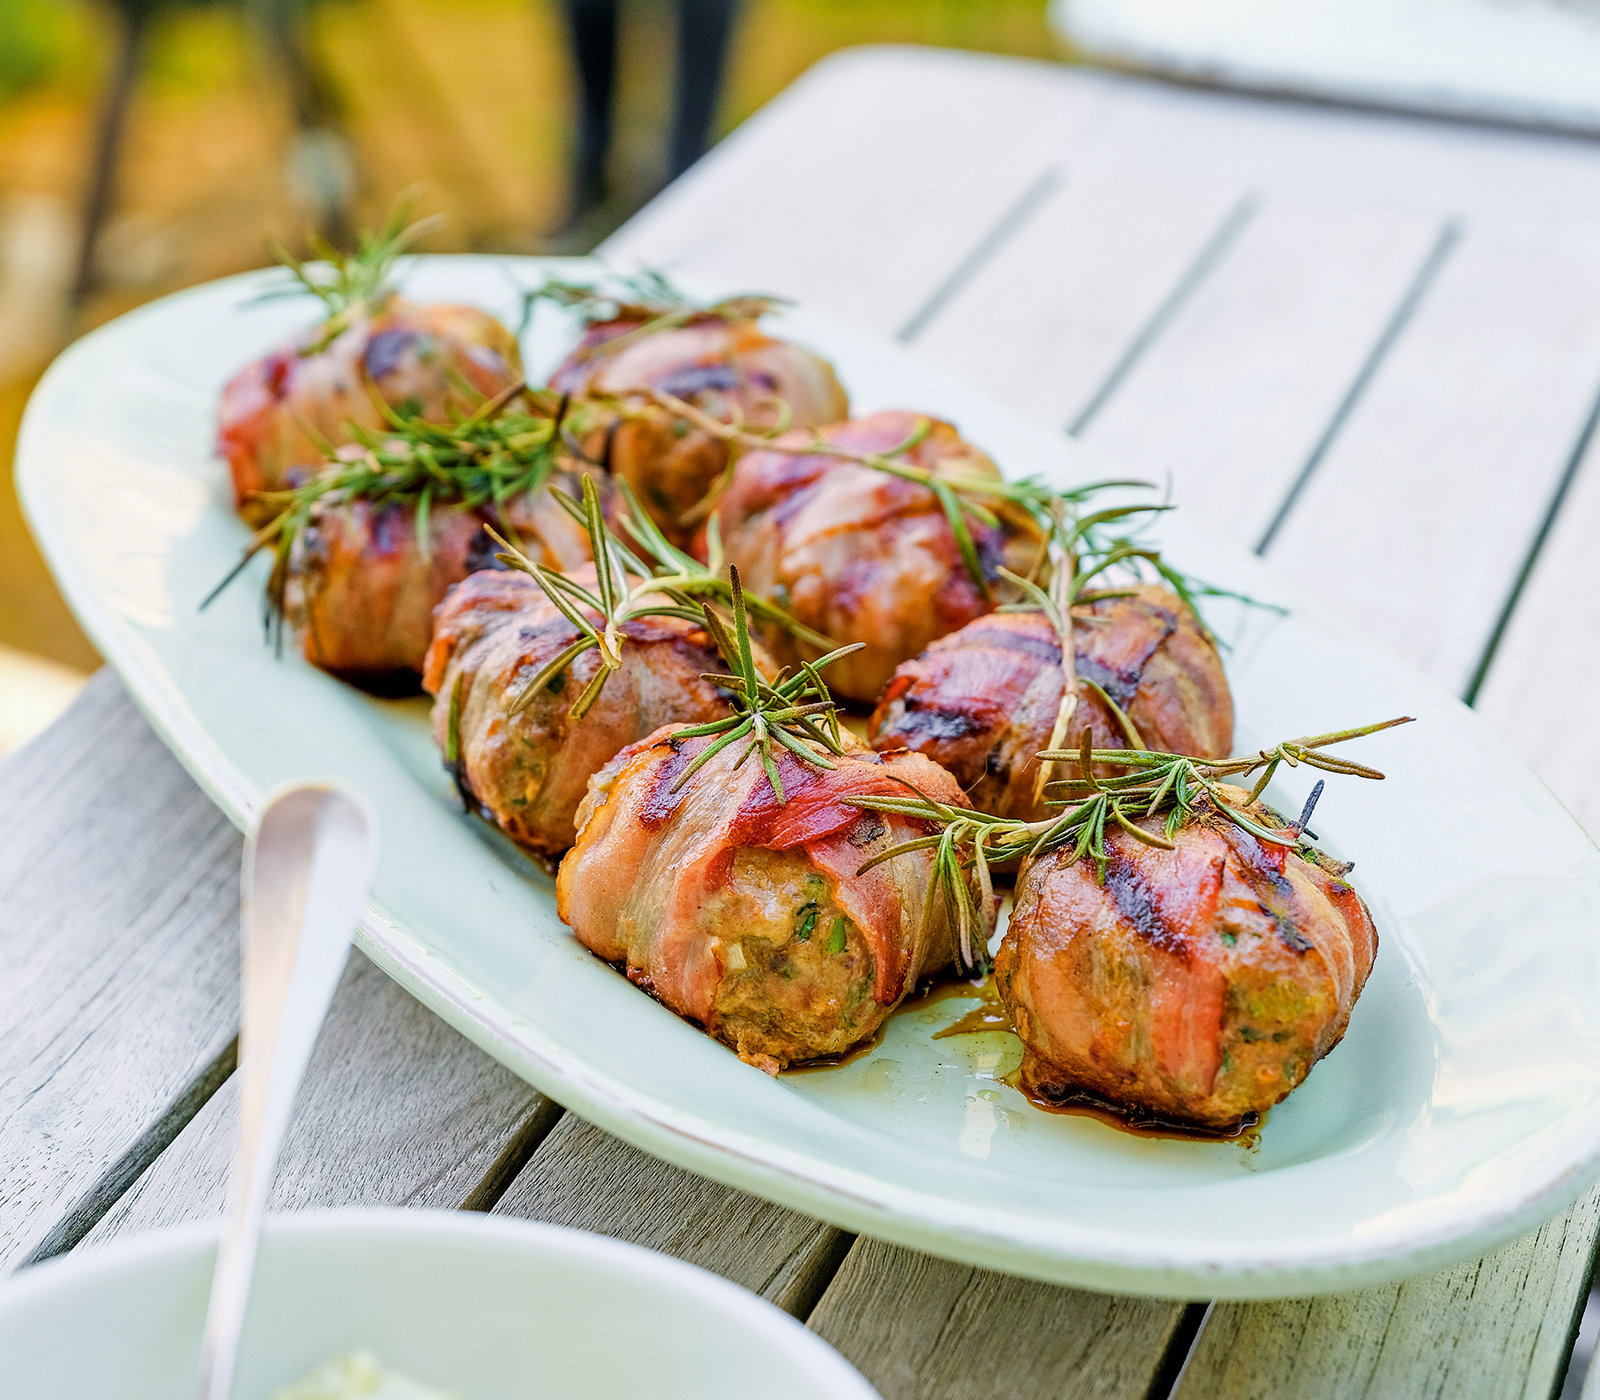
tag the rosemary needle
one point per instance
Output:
(966, 842)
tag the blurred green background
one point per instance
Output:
(470, 98)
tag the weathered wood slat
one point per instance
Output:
(396, 1109)
(1502, 1326)
(118, 964)
(1541, 683)
(1444, 471)
(1232, 400)
(864, 185)
(919, 1327)
(585, 1178)
(1043, 323)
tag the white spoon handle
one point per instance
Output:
(307, 870)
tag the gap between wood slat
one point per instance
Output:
(1427, 273)
(1180, 1351)
(89, 1209)
(1209, 257)
(1563, 488)
(1005, 229)
(518, 1153)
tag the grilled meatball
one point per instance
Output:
(497, 631)
(983, 701)
(747, 916)
(1197, 985)
(860, 555)
(731, 370)
(362, 596)
(279, 413)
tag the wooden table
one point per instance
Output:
(1368, 347)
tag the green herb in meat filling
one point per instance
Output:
(836, 938)
(805, 921)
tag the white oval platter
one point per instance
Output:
(1462, 1108)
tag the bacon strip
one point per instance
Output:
(860, 555)
(496, 632)
(984, 700)
(1199, 984)
(732, 370)
(637, 886)
(277, 412)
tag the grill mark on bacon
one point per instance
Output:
(658, 807)
(1262, 866)
(921, 725)
(867, 830)
(552, 627)
(1120, 673)
(793, 482)
(1006, 639)
(1136, 902)
(1121, 686)
(685, 381)
(388, 534)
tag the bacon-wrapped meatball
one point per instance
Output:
(860, 555)
(983, 701)
(1197, 985)
(725, 366)
(279, 413)
(747, 915)
(362, 595)
(495, 633)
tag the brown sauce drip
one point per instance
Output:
(1129, 1119)
(989, 1014)
(858, 1052)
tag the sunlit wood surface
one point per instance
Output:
(1369, 347)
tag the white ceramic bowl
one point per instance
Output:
(488, 1308)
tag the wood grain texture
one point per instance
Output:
(1540, 688)
(396, 1109)
(865, 184)
(583, 1177)
(1502, 1326)
(118, 963)
(1042, 324)
(1479, 403)
(919, 1327)
(1231, 401)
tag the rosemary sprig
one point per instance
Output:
(498, 454)
(968, 842)
(1090, 559)
(796, 712)
(646, 297)
(356, 284)
(656, 579)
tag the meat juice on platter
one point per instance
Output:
(634, 595)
